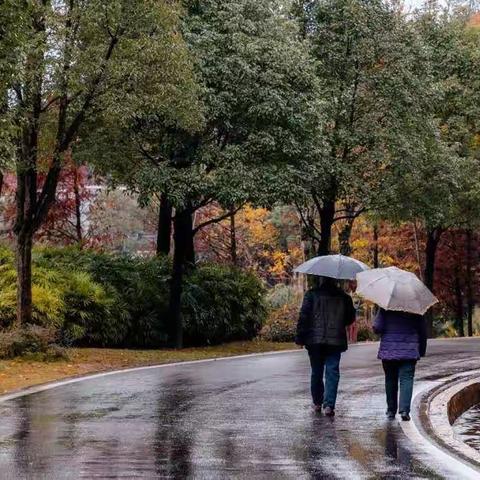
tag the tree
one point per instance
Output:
(266, 241)
(370, 72)
(257, 88)
(461, 129)
(72, 58)
(64, 222)
(453, 43)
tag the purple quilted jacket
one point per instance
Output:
(403, 335)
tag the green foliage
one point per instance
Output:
(31, 341)
(222, 304)
(47, 294)
(133, 296)
(99, 299)
(375, 103)
(450, 63)
(92, 313)
(281, 325)
(257, 108)
(67, 300)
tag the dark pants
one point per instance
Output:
(324, 360)
(403, 372)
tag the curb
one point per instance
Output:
(23, 392)
(90, 376)
(431, 425)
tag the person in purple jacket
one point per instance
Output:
(403, 341)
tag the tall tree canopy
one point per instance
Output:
(259, 109)
(66, 60)
(437, 186)
(370, 74)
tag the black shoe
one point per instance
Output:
(390, 415)
(329, 412)
(405, 416)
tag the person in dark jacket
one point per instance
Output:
(326, 312)
(403, 342)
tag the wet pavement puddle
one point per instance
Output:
(467, 427)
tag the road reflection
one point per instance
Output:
(236, 419)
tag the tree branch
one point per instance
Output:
(217, 219)
(65, 136)
(351, 216)
(309, 226)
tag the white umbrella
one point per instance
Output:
(334, 266)
(395, 289)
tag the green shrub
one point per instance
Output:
(47, 296)
(148, 297)
(222, 304)
(31, 340)
(138, 289)
(94, 314)
(99, 299)
(281, 325)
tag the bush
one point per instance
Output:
(93, 313)
(80, 309)
(31, 340)
(282, 295)
(138, 292)
(281, 325)
(98, 299)
(222, 304)
(47, 296)
(365, 333)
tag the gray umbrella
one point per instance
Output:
(333, 266)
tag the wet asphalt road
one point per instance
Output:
(244, 418)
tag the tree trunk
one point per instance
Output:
(459, 304)
(344, 237)
(375, 246)
(25, 202)
(189, 234)
(417, 249)
(164, 230)
(233, 238)
(470, 299)
(78, 209)
(433, 239)
(24, 278)
(182, 255)
(327, 217)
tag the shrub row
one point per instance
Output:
(99, 299)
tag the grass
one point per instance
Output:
(22, 372)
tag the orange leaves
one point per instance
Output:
(267, 242)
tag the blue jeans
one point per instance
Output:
(396, 371)
(323, 360)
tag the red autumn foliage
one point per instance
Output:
(64, 223)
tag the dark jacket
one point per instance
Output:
(325, 313)
(403, 335)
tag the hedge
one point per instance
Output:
(101, 299)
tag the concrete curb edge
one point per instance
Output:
(421, 430)
(80, 378)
